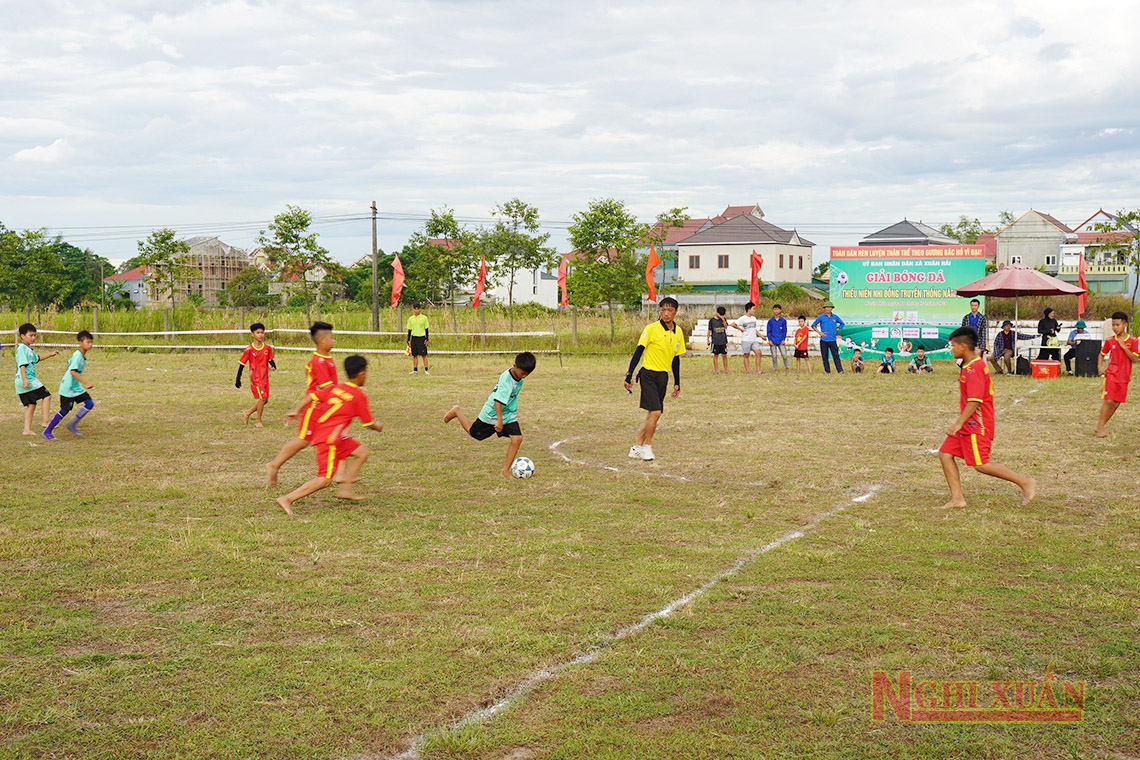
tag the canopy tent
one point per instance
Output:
(1018, 280)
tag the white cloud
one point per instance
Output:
(44, 154)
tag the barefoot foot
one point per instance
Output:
(1028, 491)
(452, 413)
(954, 504)
(258, 424)
(1101, 433)
(286, 505)
(245, 418)
(348, 495)
(271, 474)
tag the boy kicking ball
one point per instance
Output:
(259, 358)
(500, 414)
(1123, 351)
(972, 434)
(338, 407)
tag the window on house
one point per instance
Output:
(694, 262)
(801, 262)
(781, 261)
(1051, 260)
(1014, 259)
(722, 261)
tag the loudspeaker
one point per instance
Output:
(1022, 367)
(1085, 361)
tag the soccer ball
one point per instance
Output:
(522, 468)
(841, 277)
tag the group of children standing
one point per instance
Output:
(776, 331)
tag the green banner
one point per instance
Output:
(902, 295)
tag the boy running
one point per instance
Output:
(658, 350)
(971, 436)
(28, 386)
(500, 413)
(717, 338)
(801, 338)
(339, 406)
(321, 373)
(417, 327)
(1123, 350)
(73, 388)
(259, 358)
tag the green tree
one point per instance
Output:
(968, 230)
(447, 265)
(513, 244)
(85, 272)
(31, 274)
(249, 287)
(1126, 250)
(166, 256)
(674, 217)
(295, 252)
(821, 271)
(605, 236)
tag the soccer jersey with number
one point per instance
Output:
(340, 405)
(321, 373)
(975, 384)
(1119, 367)
(257, 359)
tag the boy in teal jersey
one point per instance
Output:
(28, 386)
(73, 388)
(499, 415)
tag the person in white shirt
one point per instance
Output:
(749, 340)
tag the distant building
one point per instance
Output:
(1107, 268)
(132, 285)
(531, 286)
(1033, 239)
(667, 250)
(720, 254)
(217, 263)
(907, 232)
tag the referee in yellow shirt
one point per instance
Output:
(659, 350)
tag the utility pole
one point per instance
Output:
(375, 282)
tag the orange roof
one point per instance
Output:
(445, 243)
(129, 276)
(1053, 221)
(1095, 238)
(732, 211)
(676, 234)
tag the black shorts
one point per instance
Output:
(67, 402)
(720, 350)
(654, 386)
(34, 395)
(419, 346)
(482, 430)
(800, 353)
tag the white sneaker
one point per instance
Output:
(647, 453)
(414, 372)
(635, 452)
(426, 372)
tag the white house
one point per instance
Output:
(531, 286)
(1108, 270)
(717, 257)
(132, 284)
(1033, 239)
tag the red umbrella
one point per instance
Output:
(1018, 280)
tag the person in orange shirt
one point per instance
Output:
(338, 406)
(971, 436)
(259, 358)
(801, 338)
(1122, 350)
(321, 373)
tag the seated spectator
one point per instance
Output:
(920, 363)
(887, 365)
(857, 361)
(1078, 333)
(1005, 347)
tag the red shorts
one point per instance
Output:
(260, 389)
(330, 455)
(973, 448)
(305, 429)
(1115, 390)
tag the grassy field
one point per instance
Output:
(157, 604)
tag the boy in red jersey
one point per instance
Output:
(339, 406)
(972, 434)
(800, 350)
(321, 373)
(1122, 350)
(259, 358)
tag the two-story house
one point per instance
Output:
(1033, 239)
(1106, 255)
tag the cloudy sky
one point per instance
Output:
(838, 118)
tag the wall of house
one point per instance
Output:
(739, 266)
(1034, 240)
(530, 287)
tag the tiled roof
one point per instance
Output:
(1053, 221)
(129, 276)
(674, 235)
(743, 228)
(445, 244)
(907, 232)
(732, 211)
(1095, 238)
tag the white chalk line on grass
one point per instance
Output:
(554, 447)
(528, 684)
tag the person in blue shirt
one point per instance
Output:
(887, 365)
(1078, 333)
(777, 332)
(828, 326)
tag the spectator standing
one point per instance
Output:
(777, 332)
(828, 326)
(749, 339)
(977, 321)
(1047, 328)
